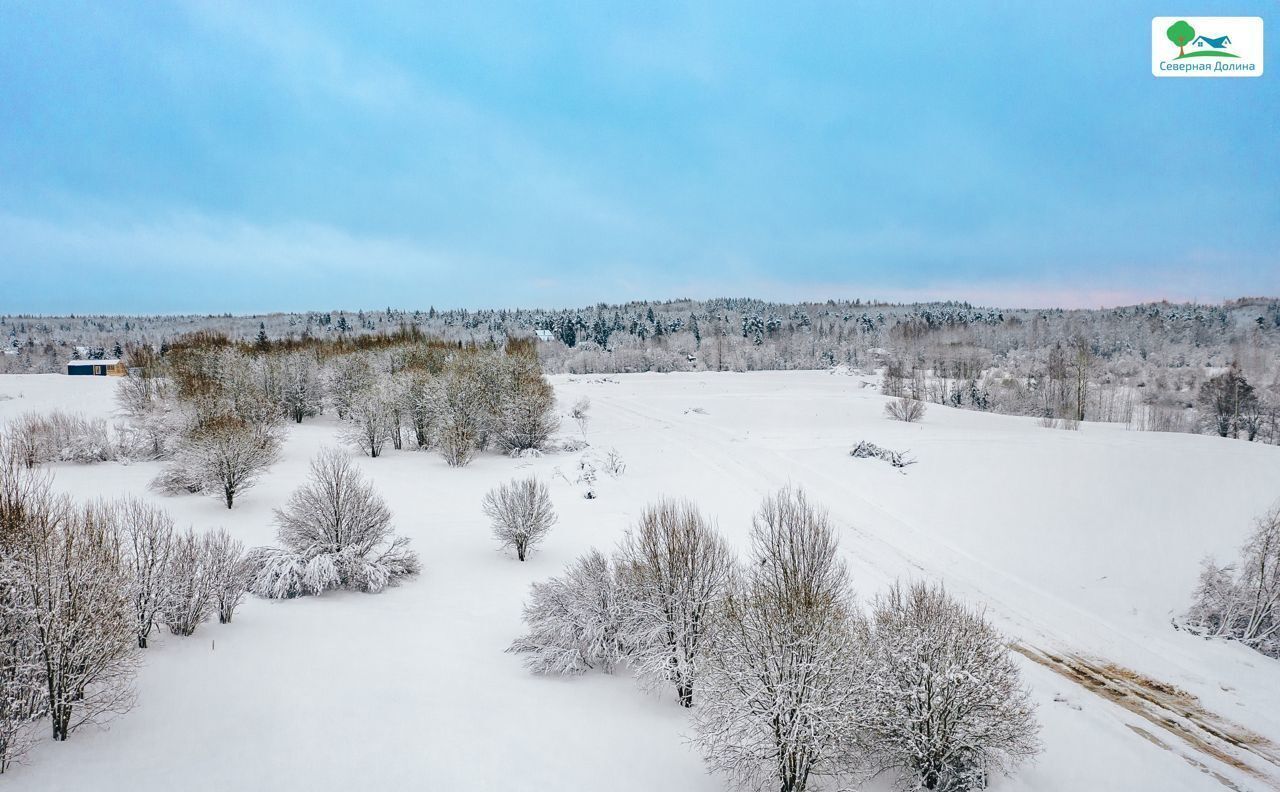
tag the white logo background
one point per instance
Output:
(1246, 42)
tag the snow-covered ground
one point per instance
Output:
(1078, 543)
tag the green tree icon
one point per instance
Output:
(1180, 33)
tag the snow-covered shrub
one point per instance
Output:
(573, 620)
(301, 391)
(520, 513)
(673, 567)
(59, 436)
(345, 378)
(581, 414)
(223, 455)
(229, 572)
(905, 409)
(1241, 601)
(459, 418)
(22, 693)
(188, 587)
(77, 613)
(418, 405)
(866, 450)
(614, 464)
(147, 533)
(336, 533)
(180, 477)
(587, 475)
(21, 696)
(373, 415)
(528, 415)
(945, 707)
(780, 680)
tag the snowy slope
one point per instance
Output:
(1078, 543)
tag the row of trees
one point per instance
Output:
(82, 587)
(217, 410)
(788, 677)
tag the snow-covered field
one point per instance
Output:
(1078, 543)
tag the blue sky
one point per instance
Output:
(220, 156)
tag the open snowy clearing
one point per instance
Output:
(1081, 545)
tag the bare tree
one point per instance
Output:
(529, 416)
(781, 678)
(189, 586)
(1242, 600)
(521, 514)
(71, 565)
(418, 406)
(580, 413)
(574, 621)
(336, 532)
(673, 567)
(905, 409)
(300, 391)
(229, 572)
(373, 420)
(946, 709)
(21, 693)
(459, 417)
(148, 540)
(224, 455)
(21, 682)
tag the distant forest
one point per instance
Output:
(1159, 366)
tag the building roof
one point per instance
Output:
(108, 362)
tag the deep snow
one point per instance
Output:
(1085, 542)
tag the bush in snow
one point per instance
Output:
(945, 707)
(229, 572)
(21, 680)
(905, 409)
(63, 437)
(147, 533)
(223, 455)
(865, 450)
(580, 413)
(1241, 601)
(300, 388)
(673, 567)
(336, 533)
(528, 415)
(780, 679)
(75, 610)
(179, 477)
(574, 620)
(373, 414)
(614, 464)
(20, 692)
(521, 514)
(459, 418)
(188, 597)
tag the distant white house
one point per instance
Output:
(544, 335)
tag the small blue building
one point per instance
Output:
(96, 368)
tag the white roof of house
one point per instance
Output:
(108, 362)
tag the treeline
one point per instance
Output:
(1141, 365)
(792, 682)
